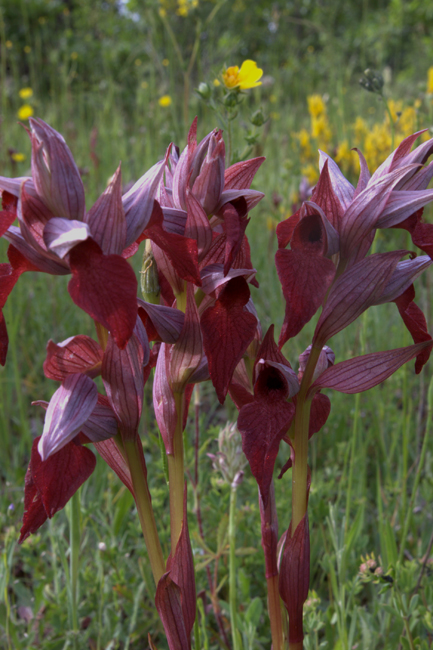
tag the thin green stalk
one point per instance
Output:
(274, 606)
(391, 121)
(302, 421)
(232, 565)
(74, 560)
(144, 509)
(418, 471)
(176, 475)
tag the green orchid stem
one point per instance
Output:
(300, 443)
(232, 565)
(144, 508)
(176, 475)
(274, 606)
(74, 560)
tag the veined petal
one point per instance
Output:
(361, 373)
(68, 409)
(240, 175)
(404, 274)
(343, 190)
(252, 198)
(355, 290)
(61, 235)
(43, 262)
(166, 321)
(13, 185)
(101, 423)
(187, 352)
(138, 202)
(122, 374)
(401, 204)
(55, 174)
(106, 219)
(163, 399)
(77, 354)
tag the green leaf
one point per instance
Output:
(254, 612)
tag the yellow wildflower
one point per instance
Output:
(360, 130)
(407, 123)
(27, 49)
(430, 80)
(18, 157)
(164, 101)
(216, 83)
(306, 152)
(377, 145)
(320, 129)
(25, 93)
(246, 77)
(316, 105)
(25, 112)
(311, 173)
(165, 62)
(9, 44)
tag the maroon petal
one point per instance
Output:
(187, 352)
(69, 408)
(263, 424)
(44, 262)
(122, 374)
(399, 157)
(9, 212)
(61, 235)
(78, 354)
(305, 279)
(181, 567)
(422, 236)
(404, 274)
(209, 183)
(241, 174)
(354, 291)
(181, 251)
(197, 225)
(234, 225)
(343, 190)
(168, 602)
(105, 287)
(362, 216)
(361, 373)
(319, 413)
(109, 451)
(415, 322)
(269, 351)
(294, 577)
(55, 174)
(59, 477)
(163, 400)
(401, 205)
(34, 511)
(364, 174)
(166, 321)
(106, 219)
(212, 276)
(325, 197)
(101, 423)
(250, 198)
(227, 330)
(33, 216)
(138, 202)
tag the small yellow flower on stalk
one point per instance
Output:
(246, 77)
(216, 83)
(164, 101)
(18, 157)
(430, 80)
(25, 93)
(9, 45)
(311, 173)
(24, 112)
(316, 105)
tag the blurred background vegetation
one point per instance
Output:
(119, 80)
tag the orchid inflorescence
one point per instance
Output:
(200, 324)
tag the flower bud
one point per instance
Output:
(231, 100)
(204, 90)
(257, 118)
(149, 278)
(230, 459)
(372, 81)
